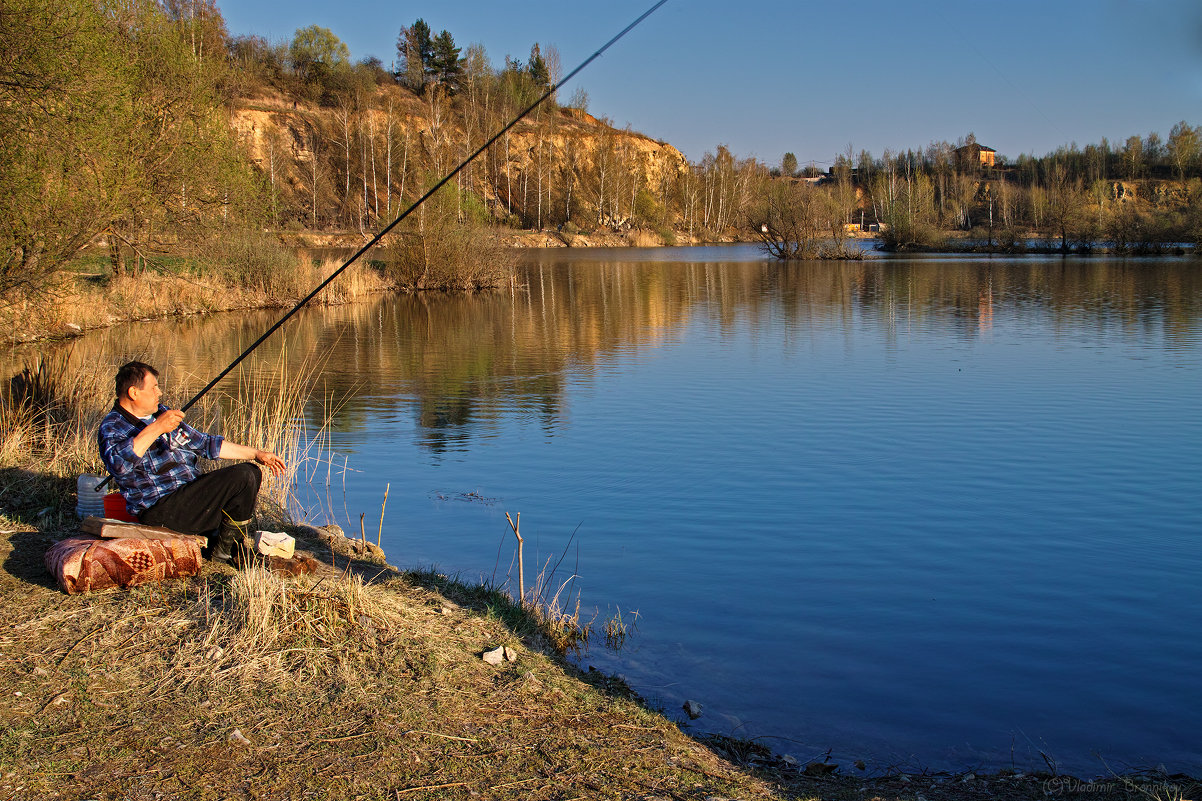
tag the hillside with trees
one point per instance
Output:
(150, 131)
(174, 138)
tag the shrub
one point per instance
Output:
(912, 236)
(254, 261)
(440, 252)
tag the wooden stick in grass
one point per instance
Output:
(521, 566)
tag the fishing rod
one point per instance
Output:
(429, 193)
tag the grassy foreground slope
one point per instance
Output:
(360, 682)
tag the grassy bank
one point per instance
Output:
(251, 271)
(87, 298)
(366, 683)
(362, 688)
(263, 274)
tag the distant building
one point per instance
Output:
(974, 155)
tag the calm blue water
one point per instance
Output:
(929, 513)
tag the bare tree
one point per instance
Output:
(1183, 147)
(788, 220)
(1065, 204)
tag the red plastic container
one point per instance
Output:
(114, 508)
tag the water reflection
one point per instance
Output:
(463, 361)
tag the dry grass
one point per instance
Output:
(357, 282)
(643, 238)
(338, 687)
(76, 304)
(48, 439)
(272, 613)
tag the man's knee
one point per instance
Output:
(244, 479)
(249, 475)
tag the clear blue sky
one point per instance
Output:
(768, 76)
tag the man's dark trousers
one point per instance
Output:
(203, 505)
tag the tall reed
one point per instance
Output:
(48, 419)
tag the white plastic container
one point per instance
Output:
(90, 503)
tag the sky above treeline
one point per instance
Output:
(765, 77)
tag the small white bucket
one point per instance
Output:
(90, 503)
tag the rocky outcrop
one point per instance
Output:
(327, 167)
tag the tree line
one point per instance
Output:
(1145, 196)
(116, 123)
(1142, 197)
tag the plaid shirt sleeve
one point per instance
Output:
(170, 462)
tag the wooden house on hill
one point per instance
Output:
(974, 155)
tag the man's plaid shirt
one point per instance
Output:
(169, 463)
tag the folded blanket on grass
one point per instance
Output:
(82, 564)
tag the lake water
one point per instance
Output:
(937, 513)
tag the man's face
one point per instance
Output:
(145, 399)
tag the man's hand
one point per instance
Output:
(270, 461)
(166, 422)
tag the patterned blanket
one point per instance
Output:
(82, 564)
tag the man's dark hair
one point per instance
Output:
(132, 374)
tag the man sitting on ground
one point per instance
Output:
(152, 455)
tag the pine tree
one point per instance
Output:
(446, 66)
(415, 53)
(536, 68)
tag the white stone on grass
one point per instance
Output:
(275, 543)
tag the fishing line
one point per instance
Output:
(429, 193)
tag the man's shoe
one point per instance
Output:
(231, 541)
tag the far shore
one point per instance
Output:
(953, 243)
(94, 301)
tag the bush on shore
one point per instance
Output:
(441, 250)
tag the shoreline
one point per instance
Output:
(94, 302)
(157, 297)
